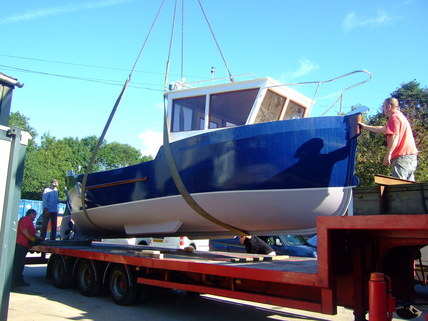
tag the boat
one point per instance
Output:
(246, 152)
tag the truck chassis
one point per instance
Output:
(363, 263)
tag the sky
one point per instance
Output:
(74, 56)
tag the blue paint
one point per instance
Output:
(300, 153)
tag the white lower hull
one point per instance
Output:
(255, 211)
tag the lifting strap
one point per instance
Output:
(170, 158)
(182, 188)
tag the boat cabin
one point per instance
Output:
(197, 110)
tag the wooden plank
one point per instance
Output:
(280, 257)
(151, 253)
(389, 180)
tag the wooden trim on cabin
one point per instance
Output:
(284, 108)
(127, 181)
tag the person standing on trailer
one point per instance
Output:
(50, 209)
(401, 151)
(25, 236)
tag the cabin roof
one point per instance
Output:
(265, 82)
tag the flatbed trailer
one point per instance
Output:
(363, 262)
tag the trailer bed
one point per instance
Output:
(350, 249)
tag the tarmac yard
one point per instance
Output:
(43, 302)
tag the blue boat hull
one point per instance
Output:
(296, 156)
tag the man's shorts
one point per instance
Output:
(404, 167)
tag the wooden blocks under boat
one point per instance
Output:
(152, 253)
(258, 258)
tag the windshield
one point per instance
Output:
(188, 114)
(231, 108)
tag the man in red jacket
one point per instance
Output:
(25, 235)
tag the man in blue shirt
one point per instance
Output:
(50, 209)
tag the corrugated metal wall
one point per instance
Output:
(25, 205)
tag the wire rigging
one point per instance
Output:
(182, 41)
(171, 40)
(145, 40)
(94, 80)
(107, 125)
(215, 40)
(88, 65)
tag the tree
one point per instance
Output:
(16, 119)
(50, 160)
(115, 155)
(371, 147)
(53, 157)
(414, 104)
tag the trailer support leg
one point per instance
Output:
(358, 283)
(381, 302)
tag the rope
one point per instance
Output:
(171, 161)
(94, 154)
(171, 39)
(215, 40)
(147, 37)
(315, 94)
(182, 40)
(107, 125)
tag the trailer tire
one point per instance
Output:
(61, 273)
(123, 288)
(88, 280)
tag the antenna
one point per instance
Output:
(212, 71)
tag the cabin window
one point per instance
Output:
(271, 107)
(188, 114)
(294, 110)
(231, 108)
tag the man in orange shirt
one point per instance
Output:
(25, 235)
(401, 152)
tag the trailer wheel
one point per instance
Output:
(88, 281)
(123, 288)
(60, 273)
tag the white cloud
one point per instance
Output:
(151, 141)
(54, 11)
(352, 21)
(305, 67)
